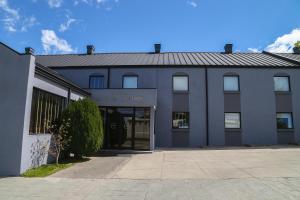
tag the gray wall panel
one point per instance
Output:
(181, 102)
(232, 102)
(284, 103)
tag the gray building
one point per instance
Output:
(157, 99)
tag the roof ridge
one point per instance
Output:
(105, 53)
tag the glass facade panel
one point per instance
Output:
(180, 83)
(142, 128)
(45, 108)
(284, 121)
(96, 82)
(180, 120)
(281, 84)
(127, 128)
(231, 83)
(130, 82)
(232, 120)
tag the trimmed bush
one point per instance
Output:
(86, 127)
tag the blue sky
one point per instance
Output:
(67, 26)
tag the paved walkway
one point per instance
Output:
(258, 174)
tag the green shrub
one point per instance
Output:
(86, 127)
(297, 44)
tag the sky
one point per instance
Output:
(67, 26)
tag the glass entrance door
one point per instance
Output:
(127, 128)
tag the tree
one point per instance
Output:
(297, 44)
(60, 137)
(86, 129)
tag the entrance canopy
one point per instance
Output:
(125, 97)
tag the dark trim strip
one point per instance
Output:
(297, 66)
(207, 110)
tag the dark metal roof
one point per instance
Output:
(57, 78)
(291, 56)
(164, 59)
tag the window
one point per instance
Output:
(231, 83)
(281, 83)
(180, 83)
(130, 81)
(180, 120)
(96, 82)
(284, 120)
(45, 108)
(232, 120)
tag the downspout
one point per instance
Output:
(108, 77)
(206, 101)
(69, 96)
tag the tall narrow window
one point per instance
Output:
(281, 83)
(130, 81)
(284, 120)
(45, 108)
(231, 84)
(180, 83)
(96, 82)
(180, 120)
(233, 120)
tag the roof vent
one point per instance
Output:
(29, 50)
(90, 49)
(228, 48)
(157, 48)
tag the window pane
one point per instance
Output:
(181, 120)
(231, 83)
(96, 82)
(232, 120)
(180, 83)
(284, 121)
(281, 84)
(130, 81)
(45, 108)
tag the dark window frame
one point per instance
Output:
(232, 91)
(283, 76)
(188, 83)
(96, 76)
(240, 117)
(292, 118)
(188, 120)
(128, 75)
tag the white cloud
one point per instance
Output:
(65, 26)
(54, 3)
(13, 21)
(285, 43)
(53, 44)
(254, 50)
(91, 2)
(28, 22)
(192, 3)
(11, 16)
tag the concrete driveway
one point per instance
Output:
(235, 174)
(192, 164)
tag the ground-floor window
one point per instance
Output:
(180, 120)
(45, 107)
(233, 120)
(126, 127)
(284, 121)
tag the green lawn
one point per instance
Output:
(46, 170)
